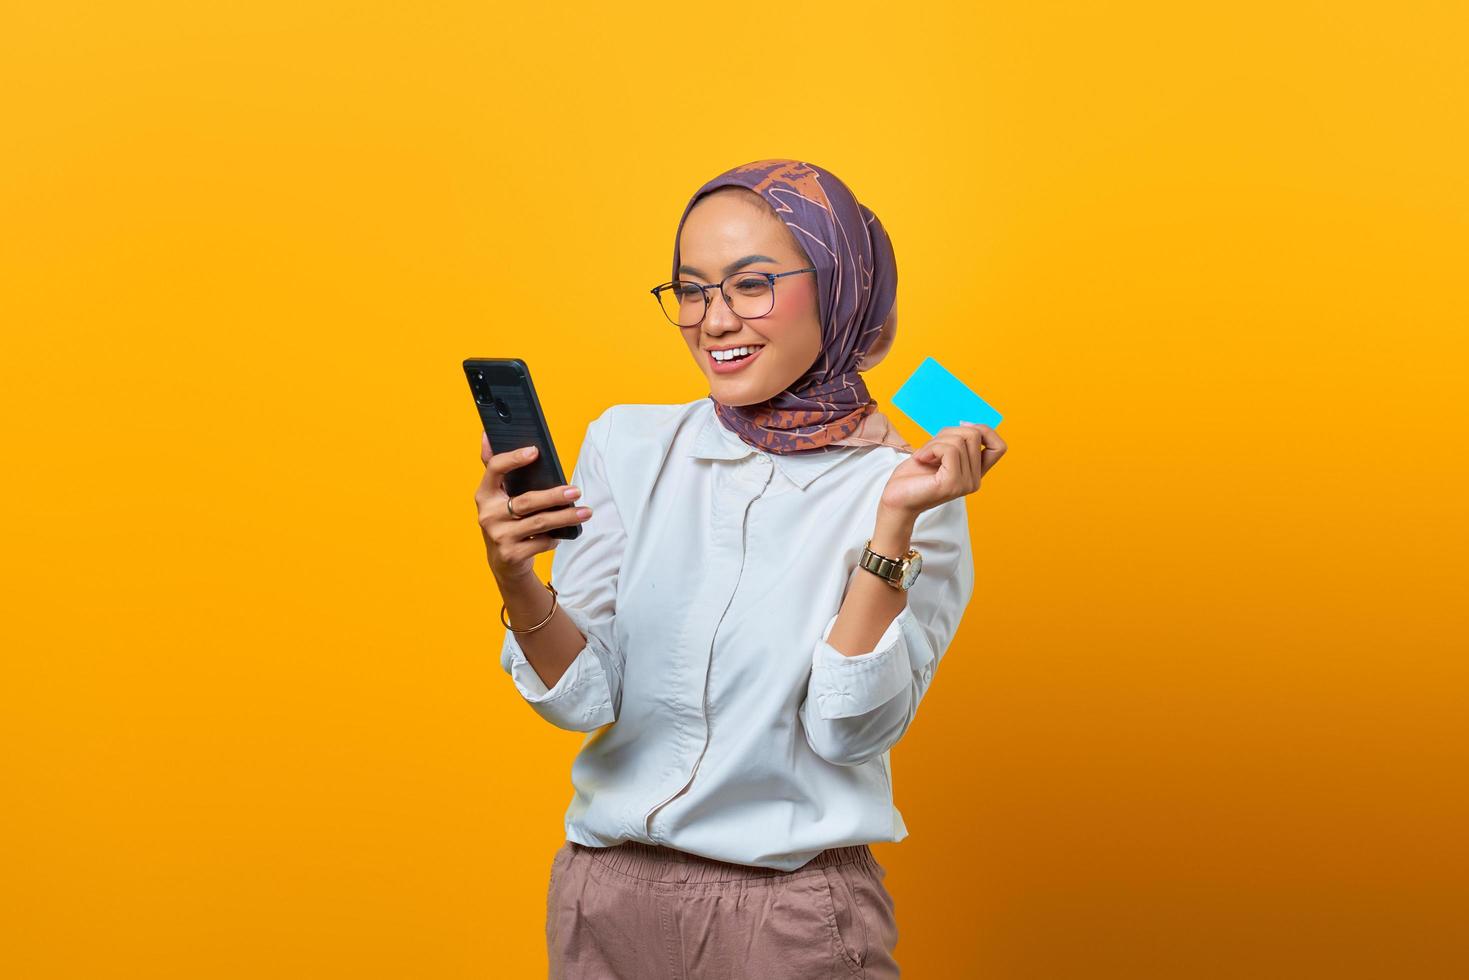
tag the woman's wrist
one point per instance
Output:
(526, 598)
(892, 536)
(871, 604)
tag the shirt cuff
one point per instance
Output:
(844, 686)
(585, 669)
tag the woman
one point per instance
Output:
(765, 581)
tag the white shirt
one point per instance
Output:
(706, 582)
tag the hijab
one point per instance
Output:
(857, 280)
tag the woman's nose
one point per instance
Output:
(719, 314)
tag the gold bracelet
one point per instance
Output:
(538, 625)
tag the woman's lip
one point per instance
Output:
(730, 367)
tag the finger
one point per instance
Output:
(962, 439)
(974, 436)
(484, 447)
(950, 460)
(968, 463)
(542, 543)
(502, 463)
(530, 547)
(992, 456)
(927, 454)
(531, 501)
(994, 448)
(492, 482)
(537, 524)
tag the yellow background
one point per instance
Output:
(1206, 715)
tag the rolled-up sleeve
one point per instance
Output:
(584, 571)
(858, 707)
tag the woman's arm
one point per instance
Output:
(570, 670)
(878, 654)
(863, 695)
(871, 604)
(550, 649)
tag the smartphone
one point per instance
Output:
(512, 417)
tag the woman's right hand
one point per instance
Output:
(512, 542)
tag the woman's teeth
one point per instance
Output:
(734, 352)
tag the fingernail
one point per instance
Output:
(583, 512)
(572, 493)
(528, 452)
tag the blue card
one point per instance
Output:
(934, 398)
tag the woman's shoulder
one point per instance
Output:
(631, 444)
(650, 413)
(643, 423)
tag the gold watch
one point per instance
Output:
(900, 573)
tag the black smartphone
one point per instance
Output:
(513, 419)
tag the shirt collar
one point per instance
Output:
(714, 441)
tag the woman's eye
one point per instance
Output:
(752, 285)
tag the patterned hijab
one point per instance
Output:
(857, 281)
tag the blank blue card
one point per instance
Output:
(934, 398)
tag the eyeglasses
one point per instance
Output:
(749, 296)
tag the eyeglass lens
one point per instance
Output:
(749, 296)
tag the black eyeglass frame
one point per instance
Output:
(704, 292)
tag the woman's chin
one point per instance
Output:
(751, 386)
(735, 395)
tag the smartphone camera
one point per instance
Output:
(483, 396)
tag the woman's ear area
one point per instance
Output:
(883, 343)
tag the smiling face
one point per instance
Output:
(734, 230)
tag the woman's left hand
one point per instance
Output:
(949, 465)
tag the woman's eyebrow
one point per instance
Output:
(690, 270)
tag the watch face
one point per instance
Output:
(911, 575)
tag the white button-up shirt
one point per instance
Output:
(706, 582)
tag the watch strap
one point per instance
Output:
(885, 568)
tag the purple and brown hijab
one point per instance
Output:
(857, 281)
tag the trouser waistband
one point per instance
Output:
(655, 862)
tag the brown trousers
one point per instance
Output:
(642, 912)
